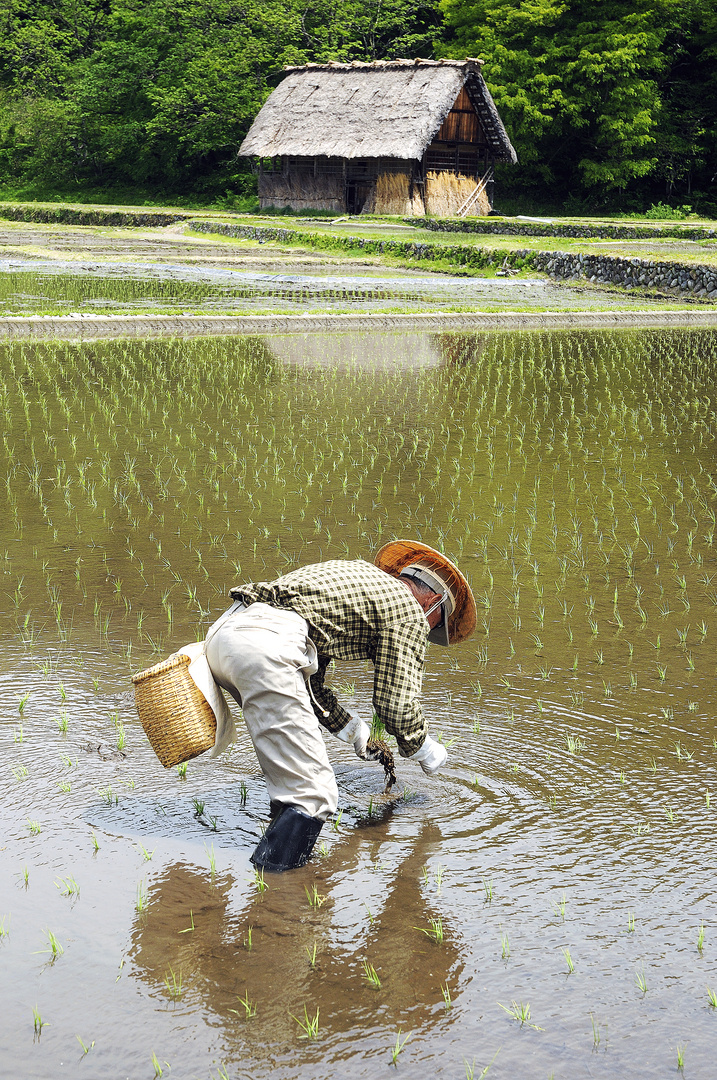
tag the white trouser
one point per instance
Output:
(260, 655)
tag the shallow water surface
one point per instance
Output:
(545, 904)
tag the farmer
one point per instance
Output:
(271, 649)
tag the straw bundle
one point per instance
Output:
(395, 194)
(446, 192)
(173, 711)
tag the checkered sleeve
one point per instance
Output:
(326, 699)
(398, 674)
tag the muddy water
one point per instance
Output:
(573, 476)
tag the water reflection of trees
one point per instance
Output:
(217, 965)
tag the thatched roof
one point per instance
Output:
(390, 108)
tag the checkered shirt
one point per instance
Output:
(355, 612)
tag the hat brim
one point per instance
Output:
(395, 556)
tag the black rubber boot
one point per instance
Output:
(288, 841)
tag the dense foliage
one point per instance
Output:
(599, 96)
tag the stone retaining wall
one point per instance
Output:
(681, 279)
(68, 215)
(567, 229)
(695, 279)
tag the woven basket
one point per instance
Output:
(173, 711)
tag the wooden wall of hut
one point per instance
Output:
(302, 191)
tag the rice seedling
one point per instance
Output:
(212, 862)
(434, 931)
(20, 772)
(85, 1047)
(398, 1046)
(641, 981)
(259, 881)
(173, 983)
(182, 770)
(248, 1006)
(370, 975)
(309, 1025)
(568, 960)
(189, 929)
(53, 945)
(141, 900)
(316, 900)
(34, 826)
(681, 1056)
(701, 938)
(68, 886)
(38, 1022)
(559, 906)
(470, 1067)
(157, 1066)
(447, 1001)
(520, 1012)
(712, 997)
(146, 855)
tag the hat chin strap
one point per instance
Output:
(441, 600)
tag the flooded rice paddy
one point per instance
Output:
(53, 270)
(46, 286)
(543, 908)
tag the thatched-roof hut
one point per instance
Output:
(394, 136)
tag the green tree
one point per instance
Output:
(687, 135)
(575, 81)
(156, 92)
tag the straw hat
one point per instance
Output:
(420, 560)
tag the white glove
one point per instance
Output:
(431, 757)
(357, 732)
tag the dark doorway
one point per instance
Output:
(357, 192)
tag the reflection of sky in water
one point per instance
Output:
(412, 352)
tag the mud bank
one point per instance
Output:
(79, 327)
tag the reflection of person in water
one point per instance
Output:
(271, 650)
(216, 964)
